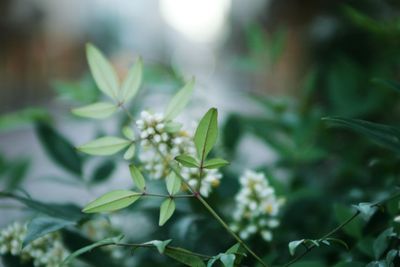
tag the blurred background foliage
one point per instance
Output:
(288, 64)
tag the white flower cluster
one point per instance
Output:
(257, 207)
(157, 135)
(46, 251)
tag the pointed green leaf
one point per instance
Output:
(59, 149)
(107, 145)
(111, 201)
(130, 152)
(166, 210)
(98, 110)
(132, 82)
(336, 240)
(179, 101)
(184, 256)
(293, 246)
(215, 163)
(40, 226)
(174, 183)
(386, 136)
(206, 133)
(103, 73)
(101, 243)
(160, 245)
(137, 177)
(187, 161)
(128, 132)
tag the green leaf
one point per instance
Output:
(137, 177)
(98, 110)
(184, 256)
(132, 82)
(128, 133)
(22, 118)
(174, 183)
(107, 145)
(215, 163)
(382, 242)
(59, 149)
(172, 126)
(206, 133)
(166, 210)
(228, 259)
(179, 101)
(294, 245)
(160, 245)
(187, 161)
(102, 71)
(354, 228)
(112, 201)
(130, 152)
(103, 171)
(101, 243)
(40, 226)
(386, 136)
(64, 211)
(366, 210)
(336, 240)
(239, 252)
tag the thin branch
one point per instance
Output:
(339, 227)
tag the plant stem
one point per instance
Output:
(212, 211)
(339, 227)
(145, 194)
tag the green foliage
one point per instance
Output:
(167, 208)
(104, 146)
(179, 101)
(187, 161)
(137, 177)
(112, 201)
(206, 134)
(174, 184)
(59, 149)
(99, 110)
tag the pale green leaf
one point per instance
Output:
(132, 82)
(111, 201)
(130, 152)
(172, 126)
(160, 245)
(102, 71)
(166, 210)
(179, 101)
(206, 133)
(215, 163)
(107, 145)
(101, 243)
(98, 110)
(228, 259)
(293, 246)
(174, 183)
(137, 177)
(187, 161)
(128, 132)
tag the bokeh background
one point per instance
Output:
(273, 68)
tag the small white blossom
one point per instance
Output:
(171, 144)
(257, 207)
(46, 251)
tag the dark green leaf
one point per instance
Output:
(59, 149)
(382, 242)
(386, 136)
(103, 171)
(40, 226)
(184, 256)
